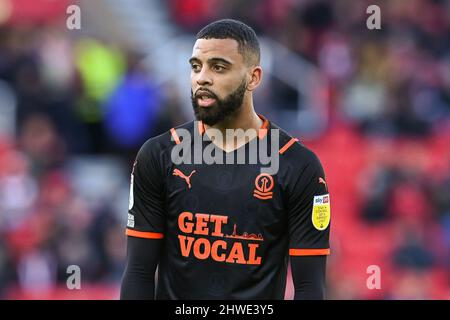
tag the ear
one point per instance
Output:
(255, 78)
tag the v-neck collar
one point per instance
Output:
(261, 134)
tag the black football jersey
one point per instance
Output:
(227, 228)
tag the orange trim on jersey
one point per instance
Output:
(264, 128)
(175, 136)
(201, 127)
(146, 235)
(309, 252)
(288, 145)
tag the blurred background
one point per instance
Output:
(76, 105)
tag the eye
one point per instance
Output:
(195, 67)
(218, 68)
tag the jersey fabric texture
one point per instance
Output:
(228, 229)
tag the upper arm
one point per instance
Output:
(146, 212)
(145, 225)
(309, 210)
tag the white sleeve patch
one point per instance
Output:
(131, 200)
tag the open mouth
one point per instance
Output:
(205, 99)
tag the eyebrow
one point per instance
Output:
(211, 60)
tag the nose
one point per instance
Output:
(203, 77)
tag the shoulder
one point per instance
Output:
(300, 167)
(165, 141)
(294, 152)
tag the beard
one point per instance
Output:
(222, 108)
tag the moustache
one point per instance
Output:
(201, 92)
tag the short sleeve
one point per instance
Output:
(309, 211)
(146, 209)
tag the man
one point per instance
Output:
(226, 231)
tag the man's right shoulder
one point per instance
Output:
(165, 141)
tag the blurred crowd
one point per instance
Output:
(74, 110)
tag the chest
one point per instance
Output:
(225, 199)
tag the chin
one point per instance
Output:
(207, 115)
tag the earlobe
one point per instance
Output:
(251, 85)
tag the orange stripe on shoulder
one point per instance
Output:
(309, 252)
(146, 235)
(201, 127)
(262, 132)
(175, 136)
(288, 145)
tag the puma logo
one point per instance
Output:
(180, 174)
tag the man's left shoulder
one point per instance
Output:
(293, 149)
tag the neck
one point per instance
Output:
(246, 118)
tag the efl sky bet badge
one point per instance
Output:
(321, 212)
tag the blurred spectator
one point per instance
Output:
(132, 108)
(18, 190)
(412, 252)
(376, 207)
(100, 68)
(41, 143)
(7, 270)
(36, 272)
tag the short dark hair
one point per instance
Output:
(248, 44)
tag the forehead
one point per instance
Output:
(223, 48)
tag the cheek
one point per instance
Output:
(229, 83)
(231, 86)
(193, 80)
